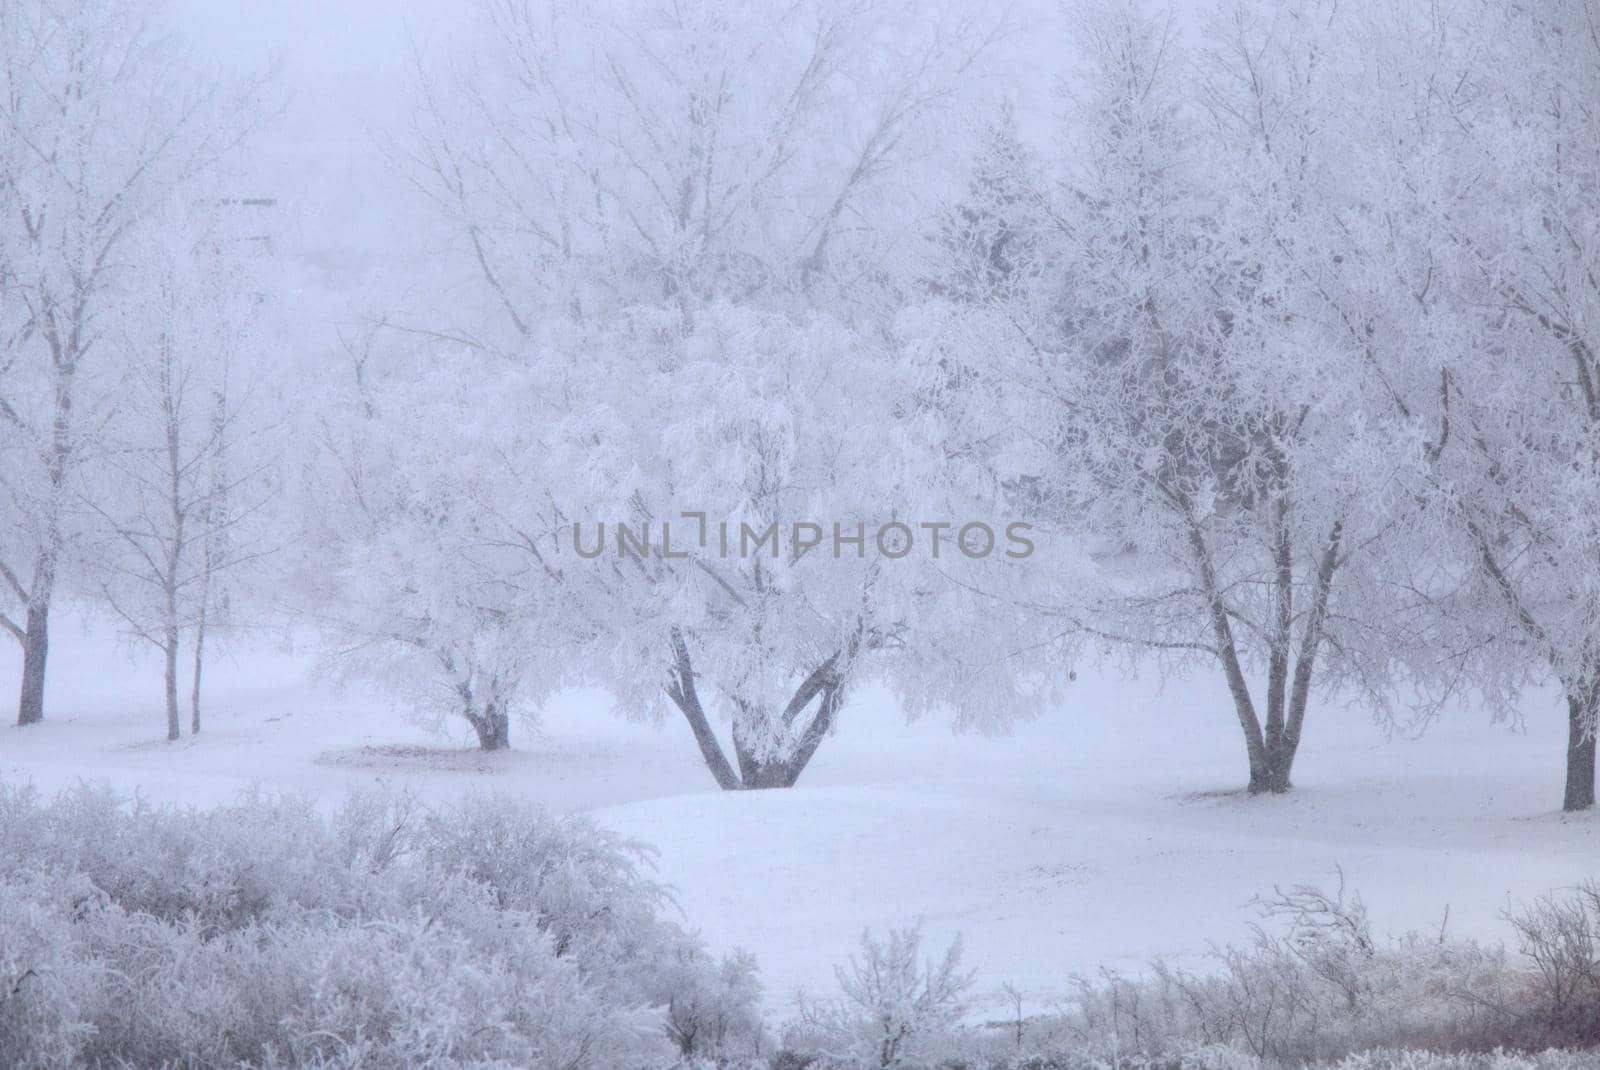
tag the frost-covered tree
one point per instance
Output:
(679, 245)
(433, 570)
(990, 235)
(101, 120)
(1176, 392)
(179, 489)
(768, 582)
(1504, 178)
(585, 157)
(895, 1009)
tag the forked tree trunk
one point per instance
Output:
(757, 774)
(756, 769)
(35, 652)
(1283, 740)
(1581, 708)
(1273, 777)
(1271, 749)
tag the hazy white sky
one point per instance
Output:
(338, 56)
(344, 65)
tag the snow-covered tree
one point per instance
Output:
(1495, 198)
(434, 571)
(101, 121)
(895, 1009)
(1175, 390)
(185, 455)
(761, 585)
(990, 236)
(681, 238)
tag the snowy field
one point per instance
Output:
(1105, 834)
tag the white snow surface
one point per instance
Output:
(1102, 835)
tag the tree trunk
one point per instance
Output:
(1244, 707)
(1283, 745)
(1228, 655)
(493, 726)
(199, 662)
(210, 549)
(170, 680)
(1280, 760)
(757, 771)
(686, 696)
(761, 774)
(175, 547)
(1580, 752)
(64, 353)
(35, 651)
(1275, 737)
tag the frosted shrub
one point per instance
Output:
(585, 885)
(1560, 935)
(712, 1007)
(587, 891)
(894, 1010)
(47, 988)
(486, 935)
(224, 866)
(1227, 1059)
(1324, 987)
(1271, 1000)
(375, 993)
(1418, 1060)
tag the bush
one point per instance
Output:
(1321, 988)
(1560, 936)
(894, 1009)
(491, 934)
(1314, 987)
(391, 935)
(1414, 1060)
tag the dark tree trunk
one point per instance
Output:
(823, 685)
(35, 651)
(488, 717)
(1280, 761)
(760, 775)
(827, 710)
(757, 771)
(1580, 752)
(199, 663)
(493, 726)
(686, 696)
(1281, 741)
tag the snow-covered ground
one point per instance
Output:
(1102, 835)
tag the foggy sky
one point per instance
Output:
(343, 69)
